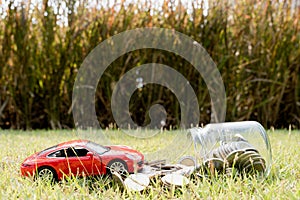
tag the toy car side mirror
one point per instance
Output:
(90, 154)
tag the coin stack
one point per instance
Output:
(238, 156)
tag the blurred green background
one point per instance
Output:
(255, 45)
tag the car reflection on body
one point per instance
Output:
(81, 158)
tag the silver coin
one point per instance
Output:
(233, 147)
(136, 182)
(243, 157)
(175, 179)
(247, 157)
(256, 166)
(221, 152)
(230, 148)
(233, 156)
(251, 149)
(254, 157)
(216, 153)
(187, 161)
(260, 161)
(214, 164)
(239, 137)
(224, 150)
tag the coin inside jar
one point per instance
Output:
(253, 158)
(256, 166)
(233, 156)
(213, 164)
(244, 157)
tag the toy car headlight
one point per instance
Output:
(26, 165)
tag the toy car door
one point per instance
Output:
(78, 161)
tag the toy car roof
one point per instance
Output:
(73, 143)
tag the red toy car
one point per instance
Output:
(81, 158)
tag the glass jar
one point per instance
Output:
(240, 146)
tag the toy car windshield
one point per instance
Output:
(98, 148)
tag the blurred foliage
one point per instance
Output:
(255, 45)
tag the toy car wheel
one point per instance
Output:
(46, 174)
(118, 166)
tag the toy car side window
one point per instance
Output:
(76, 152)
(59, 153)
(81, 151)
(70, 152)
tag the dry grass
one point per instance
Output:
(255, 46)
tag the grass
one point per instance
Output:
(283, 182)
